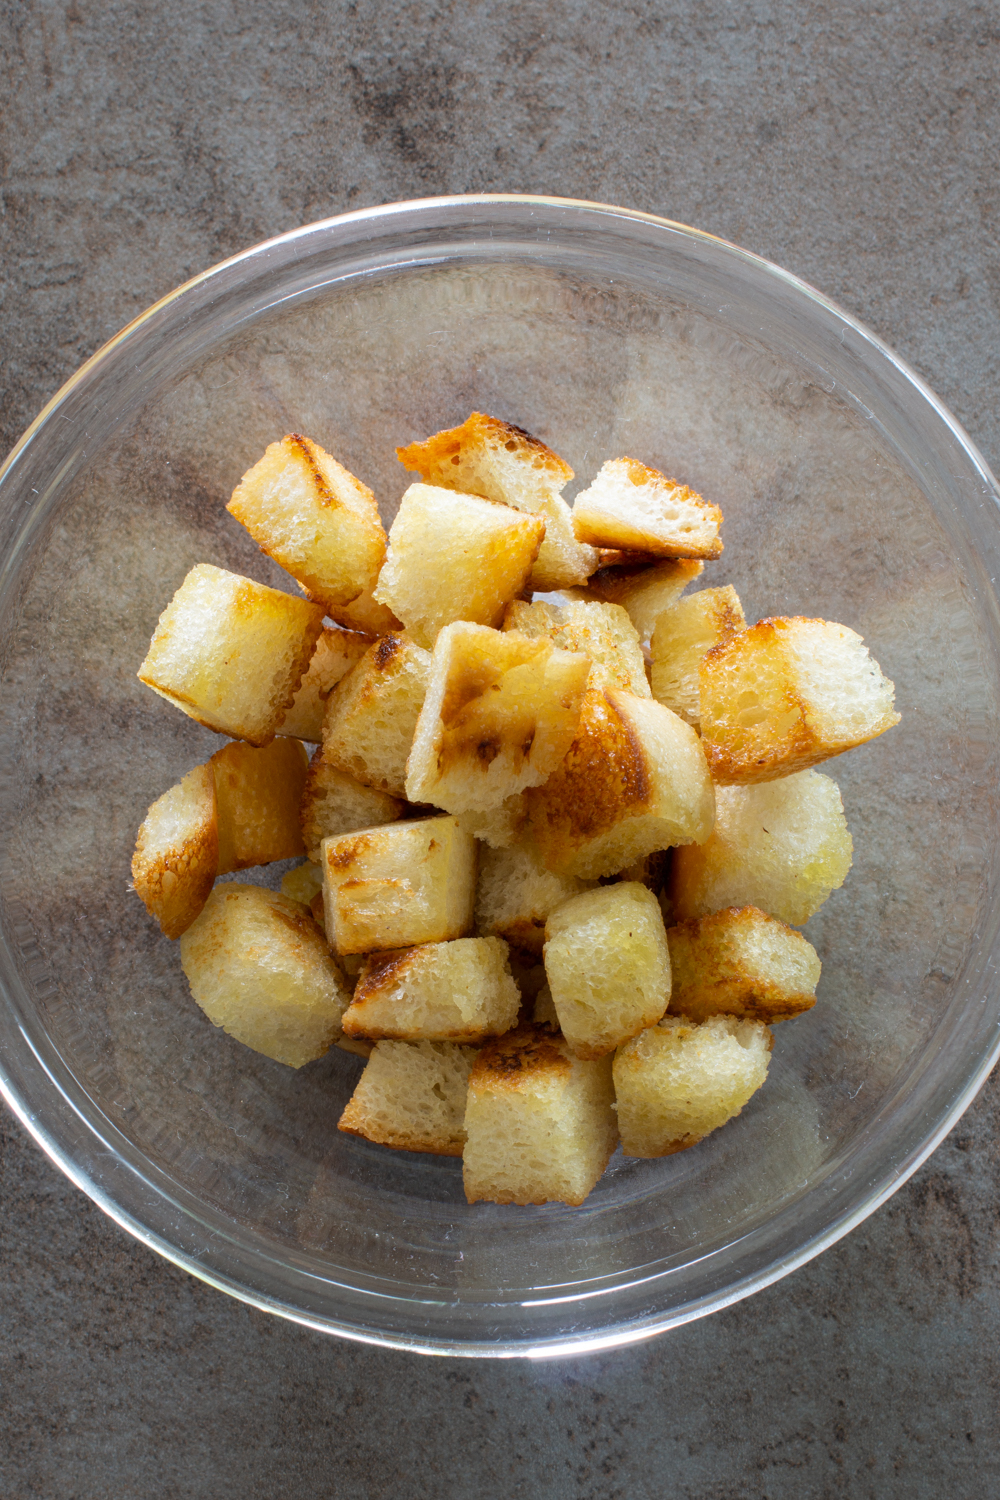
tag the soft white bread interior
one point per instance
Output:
(372, 713)
(258, 792)
(682, 636)
(411, 1096)
(461, 991)
(643, 587)
(335, 654)
(333, 802)
(603, 632)
(741, 962)
(638, 509)
(516, 893)
(176, 855)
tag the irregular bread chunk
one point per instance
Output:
(260, 968)
(787, 694)
(455, 557)
(491, 458)
(397, 886)
(641, 510)
(539, 1122)
(741, 962)
(603, 632)
(231, 653)
(677, 1081)
(461, 991)
(333, 802)
(499, 826)
(321, 524)
(177, 852)
(544, 1010)
(682, 636)
(782, 846)
(607, 965)
(303, 883)
(412, 1096)
(258, 794)
(644, 589)
(516, 893)
(372, 713)
(366, 615)
(335, 655)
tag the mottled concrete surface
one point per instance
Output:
(858, 145)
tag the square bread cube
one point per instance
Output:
(333, 803)
(640, 510)
(677, 1082)
(231, 653)
(787, 694)
(682, 636)
(314, 518)
(782, 846)
(491, 458)
(455, 557)
(303, 884)
(335, 654)
(177, 852)
(741, 962)
(500, 713)
(516, 893)
(461, 991)
(603, 632)
(372, 713)
(539, 1122)
(400, 885)
(633, 781)
(642, 587)
(607, 966)
(366, 615)
(260, 968)
(411, 1096)
(258, 792)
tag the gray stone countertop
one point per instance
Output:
(859, 146)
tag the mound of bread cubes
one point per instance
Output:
(560, 823)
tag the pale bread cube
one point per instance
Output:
(372, 713)
(400, 885)
(177, 852)
(642, 587)
(260, 968)
(782, 846)
(491, 458)
(682, 636)
(787, 694)
(321, 524)
(607, 966)
(741, 962)
(412, 1096)
(333, 802)
(540, 1123)
(516, 893)
(603, 632)
(366, 615)
(258, 792)
(335, 654)
(678, 1081)
(500, 713)
(303, 883)
(455, 557)
(544, 1010)
(461, 991)
(500, 827)
(640, 510)
(231, 653)
(633, 781)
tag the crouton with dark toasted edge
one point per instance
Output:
(638, 509)
(741, 962)
(461, 991)
(177, 852)
(411, 1096)
(682, 636)
(372, 713)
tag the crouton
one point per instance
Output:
(333, 802)
(633, 781)
(640, 510)
(411, 1096)
(787, 694)
(335, 654)
(543, 1012)
(259, 967)
(372, 713)
(539, 1122)
(461, 991)
(782, 846)
(682, 636)
(400, 885)
(177, 852)
(314, 518)
(366, 615)
(231, 653)
(491, 458)
(455, 557)
(603, 632)
(741, 962)
(499, 826)
(643, 588)
(303, 883)
(258, 792)
(516, 893)
(676, 1082)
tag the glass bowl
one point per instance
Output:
(849, 493)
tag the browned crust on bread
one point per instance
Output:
(508, 1060)
(397, 1142)
(722, 986)
(479, 430)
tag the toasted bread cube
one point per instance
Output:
(400, 885)
(258, 792)
(177, 852)
(372, 713)
(680, 639)
(491, 458)
(633, 781)
(231, 653)
(314, 518)
(366, 615)
(539, 1122)
(603, 632)
(787, 694)
(644, 588)
(516, 893)
(303, 883)
(782, 846)
(455, 557)
(641, 510)
(440, 992)
(500, 827)
(260, 968)
(336, 653)
(333, 802)
(741, 962)
(412, 1096)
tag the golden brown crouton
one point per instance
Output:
(258, 792)
(177, 852)
(643, 587)
(460, 991)
(303, 883)
(372, 713)
(741, 962)
(333, 802)
(639, 509)
(366, 615)
(603, 632)
(411, 1096)
(516, 893)
(335, 654)
(682, 636)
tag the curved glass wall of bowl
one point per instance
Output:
(849, 493)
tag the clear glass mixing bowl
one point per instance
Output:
(848, 492)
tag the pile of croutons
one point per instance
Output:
(555, 843)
